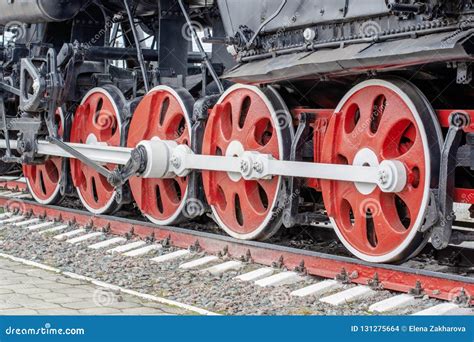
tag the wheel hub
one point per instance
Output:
(365, 157)
(235, 149)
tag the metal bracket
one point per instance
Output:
(140, 57)
(54, 84)
(464, 73)
(375, 283)
(432, 214)
(291, 217)
(265, 23)
(200, 115)
(442, 230)
(31, 102)
(3, 115)
(458, 237)
(343, 277)
(136, 165)
(463, 298)
(418, 290)
(205, 58)
(26, 145)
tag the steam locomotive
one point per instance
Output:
(263, 115)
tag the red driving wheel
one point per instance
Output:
(43, 180)
(382, 120)
(247, 118)
(164, 113)
(97, 121)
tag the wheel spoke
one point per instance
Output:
(50, 180)
(349, 144)
(107, 191)
(50, 185)
(86, 187)
(183, 137)
(256, 106)
(269, 187)
(148, 199)
(265, 145)
(411, 157)
(359, 230)
(251, 207)
(351, 211)
(165, 201)
(96, 123)
(364, 101)
(172, 127)
(410, 196)
(220, 140)
(254, 197)
(388, 229)
(394, 109)
(222, 179)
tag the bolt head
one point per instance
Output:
(36, 86)
(258, 166)
(176, 162)
(244, 166)
(383, 177)
(309, 34)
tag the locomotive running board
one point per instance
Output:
(338, 59)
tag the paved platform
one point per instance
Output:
(25, 290)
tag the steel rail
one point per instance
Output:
(399, 278)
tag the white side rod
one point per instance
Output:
(349, 173)
(98, 153)
(251, 165)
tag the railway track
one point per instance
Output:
(335, 280)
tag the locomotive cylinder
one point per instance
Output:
(37, 11)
